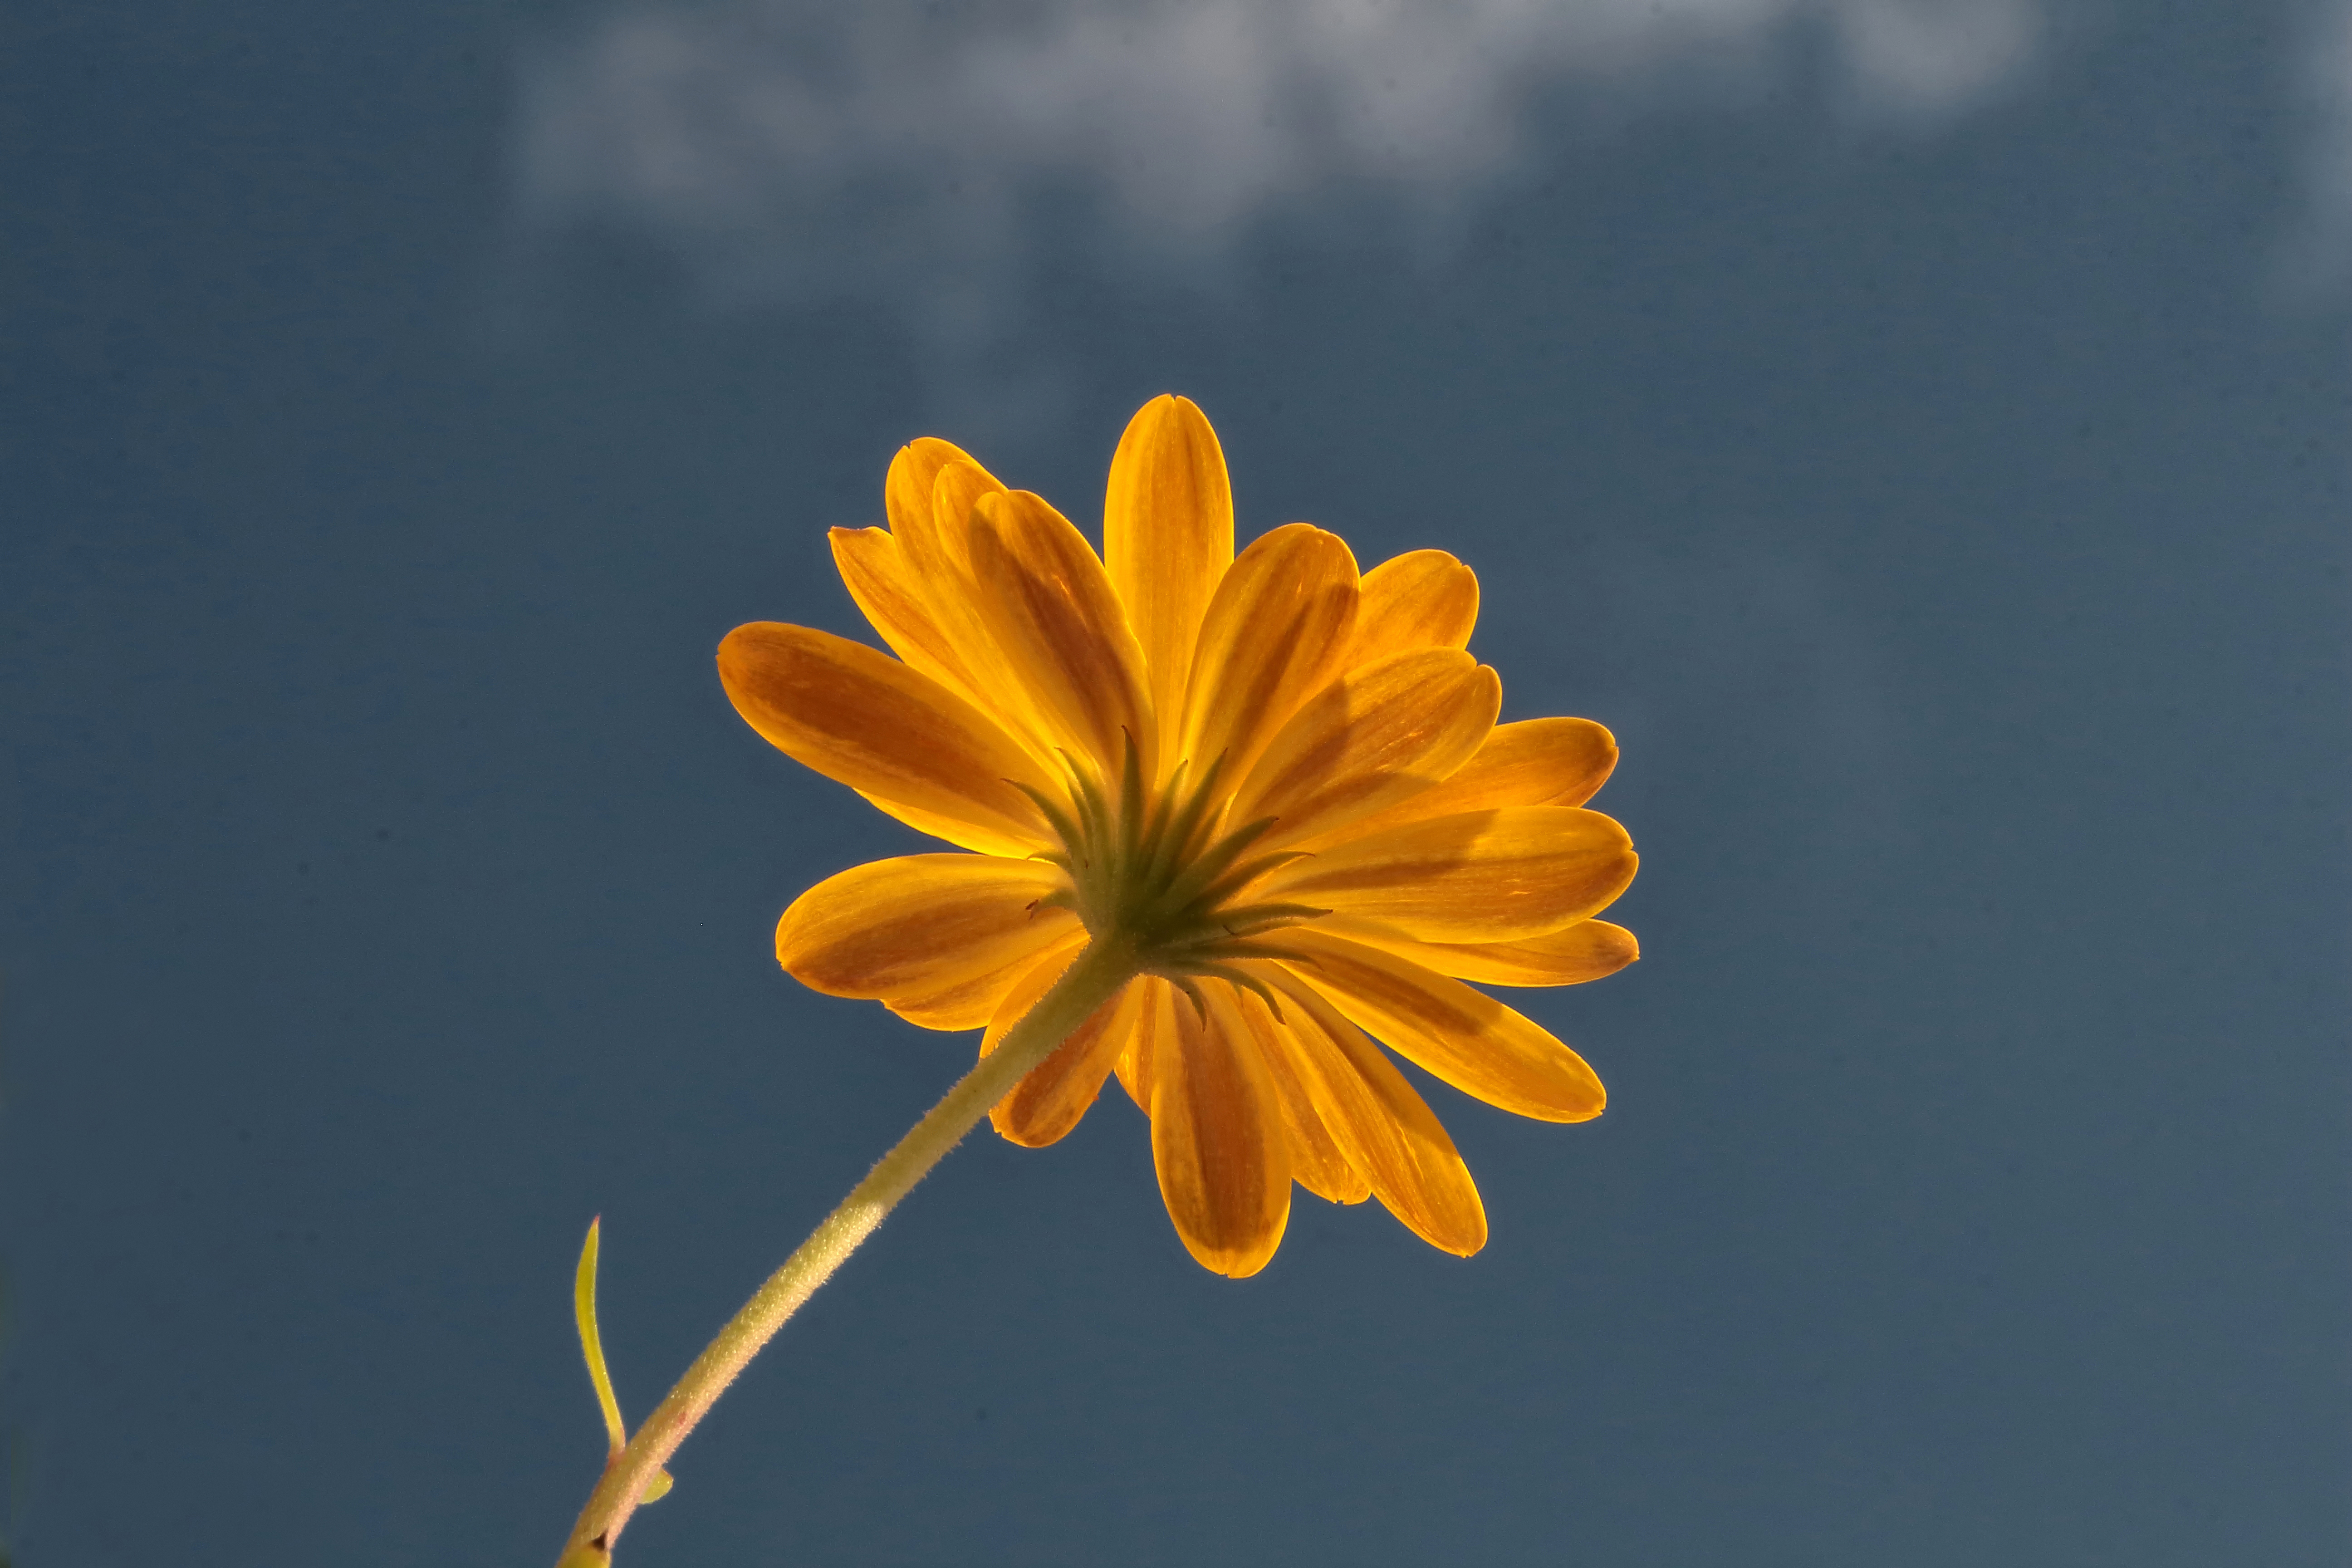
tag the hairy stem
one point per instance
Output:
(1094, 978)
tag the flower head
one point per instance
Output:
(1279, 784)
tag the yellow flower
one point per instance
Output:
(1281, 783)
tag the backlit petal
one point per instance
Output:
(1423, 599)
(865, 720)
(914, 583)
(1382, 732)
(1218, 1145)
(997, 687)
(1051, 607)
(1155, 1020)
(1276, 630)
(1570, 956)
(956, 494)
(1315, 1162)
(1384, 1127)
(1168, 537)
(971, 1002)
(1048, 1102)
(927, 607)
(1536, 761)
(934, 547)
(945, 827)
(920, 924)
(933, 490)
(1465, 1036)
(873, 566)
(1482, 875)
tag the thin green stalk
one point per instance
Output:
(1094, 978)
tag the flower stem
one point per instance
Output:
(1094, 978)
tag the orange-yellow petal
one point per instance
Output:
(938, 553)
(1482, 876)
(919, 925)
(910, 497)
(1043, 1106)
(1423, 599)
(1155, 1020)
(883, 730)
(1536, 761)
(956, 494)
(1588, 950)
(1380, 734)
(1168, 537)
(1275, 631)
(971, 1002)
(1315, 1162)
(1465, 1036)
(1051, 607)
(1385, 1129)
(915, 585)
(863, 719)
(1217, 1143)
(874, 567)
(936, 825)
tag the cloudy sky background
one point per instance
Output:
(746, 131)
(1916, 429)
(925, 154)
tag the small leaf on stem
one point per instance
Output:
(584, 1311)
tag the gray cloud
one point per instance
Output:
(2318, 254)
(924, 155)
(802, 150)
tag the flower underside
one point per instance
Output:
(1344, 836)
(1155, 869)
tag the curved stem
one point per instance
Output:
(1094, 978)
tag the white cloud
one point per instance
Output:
(2319, 254)
(925, 152)
(817, 147)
